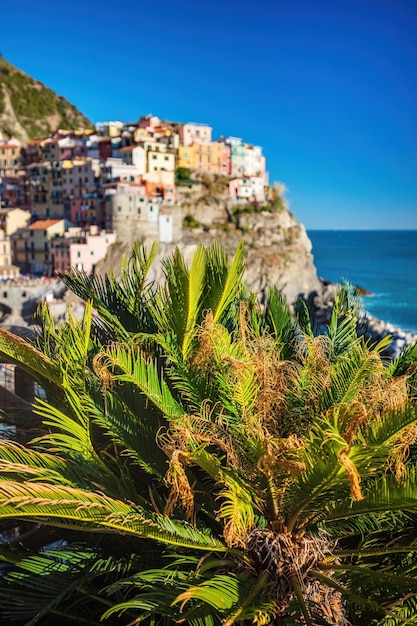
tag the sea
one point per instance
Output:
(380, 261)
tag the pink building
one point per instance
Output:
(149, 122)
(78, 178)
(226, 160)
(81, 250)
(194, 132)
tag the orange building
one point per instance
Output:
(212, 157)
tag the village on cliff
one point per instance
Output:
(66, 198)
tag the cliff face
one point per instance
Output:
(277, 250)
(28, 109)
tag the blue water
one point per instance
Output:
(383, 262)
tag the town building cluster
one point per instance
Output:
(65, 198)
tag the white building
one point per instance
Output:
(249, 188)
(254, 164)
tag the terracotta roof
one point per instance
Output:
(7, 145)
(127, 149)
(43, 224)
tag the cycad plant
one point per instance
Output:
(207, 460)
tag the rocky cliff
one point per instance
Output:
(277, 249)
(28, 109)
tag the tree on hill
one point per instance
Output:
(207, 461)
(183, 173)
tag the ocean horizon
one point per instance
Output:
(382, 261)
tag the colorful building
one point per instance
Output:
(80, 249)
(10, 158)
(31, 245)
(251, 189)
(213, 157)
(193, 132)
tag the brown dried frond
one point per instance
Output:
(351, 418)
(328, 600)
(385, 394)
(275, 378)
(181, 491)
(315, 351)
(100, 364)
(401, 451)
(277, 457)
(203, 356)
(245, 331)
(238, 365)
(352, 474)
(190, 431)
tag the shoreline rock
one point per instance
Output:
(320, 303)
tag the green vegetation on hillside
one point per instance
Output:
(37, 108)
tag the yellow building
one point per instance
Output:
(186, 157)
(160, 158)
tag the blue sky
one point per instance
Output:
(328, 88)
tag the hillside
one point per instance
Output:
(28, 109)
(277, 248)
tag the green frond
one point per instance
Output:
(130, 366)
(27, 464)
(16, 350)
(224, 284)
(279, 320)
(75, 508)
(400, 365)
(72, 431)
(384, 495)
(342, 328)
(221, 592)
(134, 431)
(348, 377)
(389, 425)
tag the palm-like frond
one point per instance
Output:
(76, 508)
(18, 351)
(282, 449)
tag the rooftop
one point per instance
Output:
(44, 224)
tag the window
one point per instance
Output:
(154, 156)
(92, 253)
(78, 255)
(166, 158)
(119, 208)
